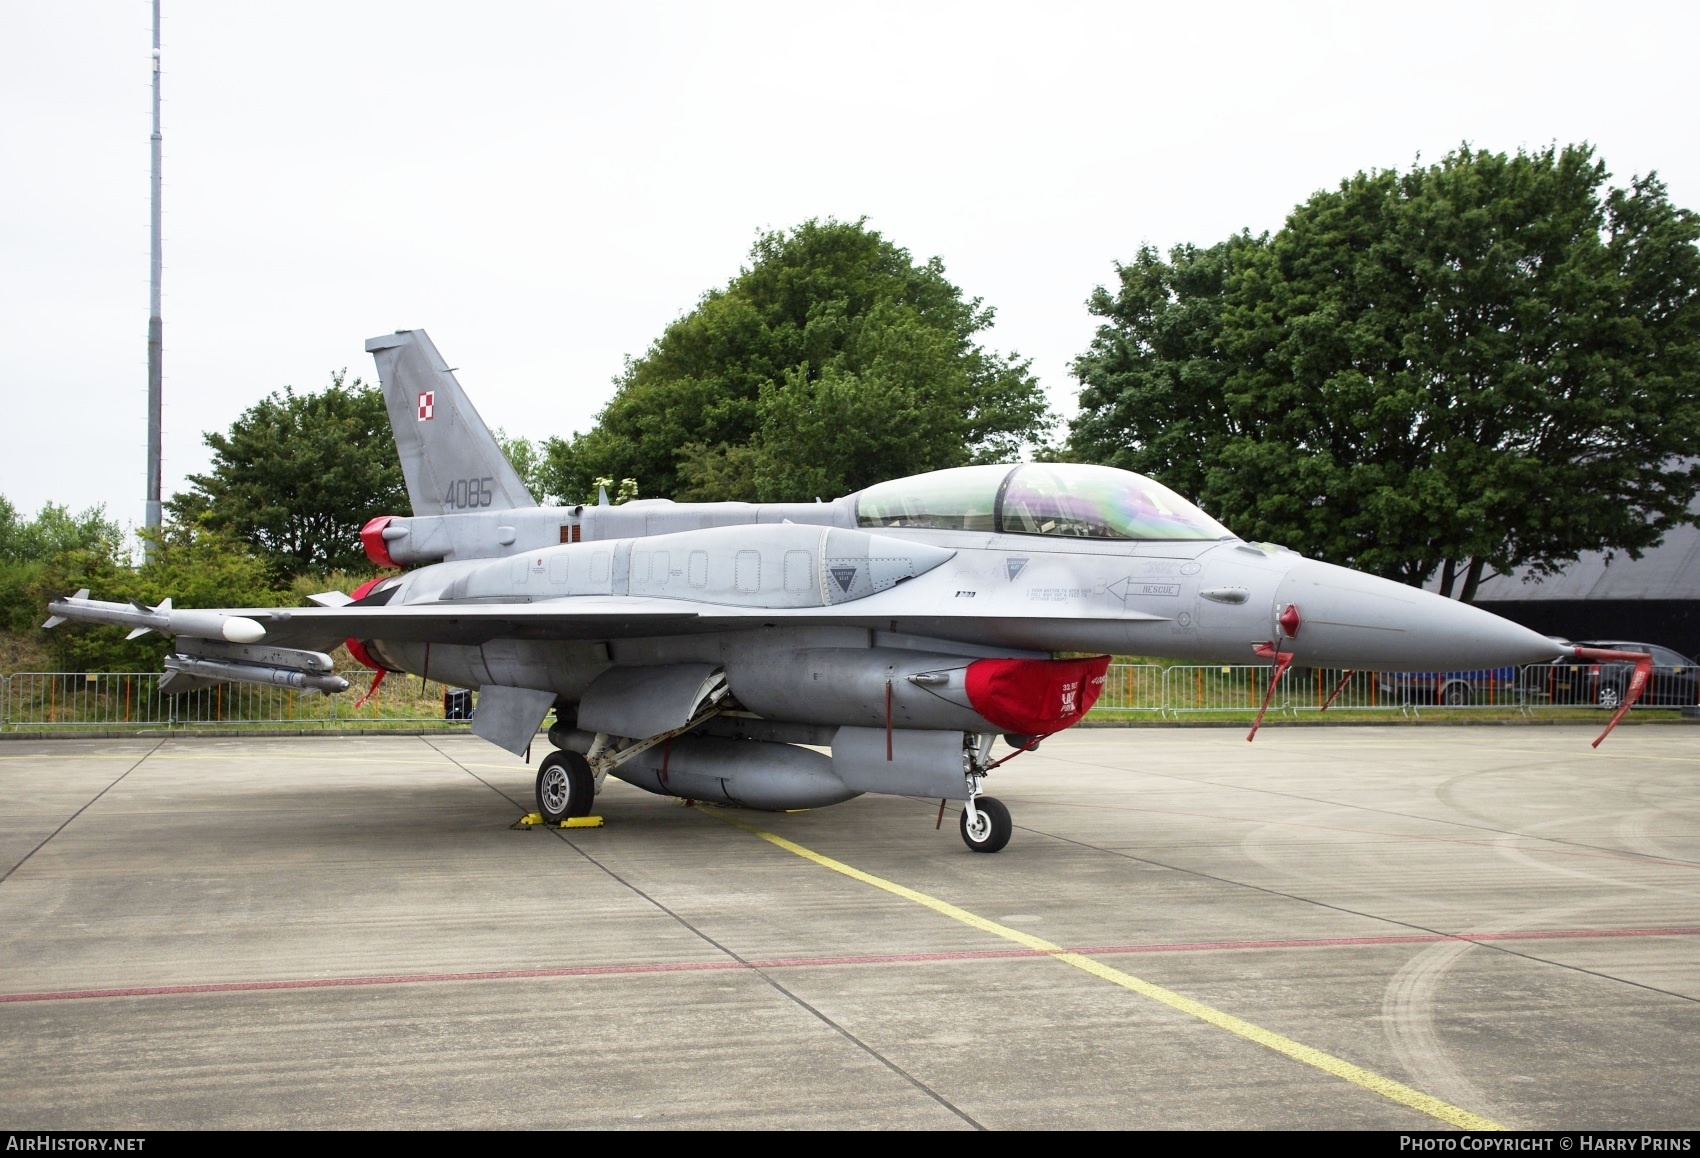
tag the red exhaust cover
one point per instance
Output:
(1035, 697)
(355, 647)
(372, 538)
(361, 655)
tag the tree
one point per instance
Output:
(298, 475)
(30, 549)
(53, 531)
(1489, 364)
(527, 459)
(831, 362)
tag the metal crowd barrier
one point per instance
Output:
(1193, 688)
(118, 701)
(1189, 690)
(1132, 687)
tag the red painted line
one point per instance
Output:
(816, 962)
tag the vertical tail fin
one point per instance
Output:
(450, 459)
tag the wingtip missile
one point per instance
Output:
(163, 618)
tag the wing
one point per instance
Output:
(570, 617)
(325, 627)
(593, 617)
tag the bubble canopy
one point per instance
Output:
(1072, 500)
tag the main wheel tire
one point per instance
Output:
(565, 787)
(992, 833)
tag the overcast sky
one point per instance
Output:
(545, 186)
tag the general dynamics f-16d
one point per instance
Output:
(705, 650)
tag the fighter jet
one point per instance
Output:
(710, 650)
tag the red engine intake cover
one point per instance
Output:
(372, 538)
(1035, 697)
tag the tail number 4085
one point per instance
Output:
(470, 492)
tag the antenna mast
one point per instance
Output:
(151, 518)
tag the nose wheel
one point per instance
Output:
(565, 787)
(986, 825)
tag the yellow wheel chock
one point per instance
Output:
(533, 820)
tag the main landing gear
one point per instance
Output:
(565, 787)
(986, 825)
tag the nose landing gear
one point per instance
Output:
(986, 825)
(985, 822)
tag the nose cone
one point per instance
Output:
(1353, 620)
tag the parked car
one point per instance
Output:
(1455, 689)
(1675, 681)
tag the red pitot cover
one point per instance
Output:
(1035, 697)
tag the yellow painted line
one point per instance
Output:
(1328, 1063)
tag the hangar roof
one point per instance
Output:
(1668, 571)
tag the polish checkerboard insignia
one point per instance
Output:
(427, 405)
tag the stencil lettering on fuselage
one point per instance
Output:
(1130, 586)
(1058, 594)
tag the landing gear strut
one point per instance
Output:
(985, 824)
(565, 787)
